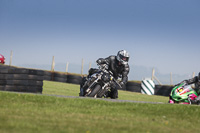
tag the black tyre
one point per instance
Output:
(74, 79)
(60, 75)
(15, 88)
(34, 89)
(35, 72)
(31, 89)
(58, 79)
(101, 93)
(4, 66)
(3, 71)
(20, 77)
(3, 82)
(2, 87)
(16, 76)
(163, 90)
(17, 82)
(35, 77)
(18, 71)
(35, 83)
(95, 91)
(134, 87)
(47, 73)
(2, 76)
(47, 77)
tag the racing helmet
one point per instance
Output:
(2, 59)
(123, 57)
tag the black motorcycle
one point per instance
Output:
(99, 83)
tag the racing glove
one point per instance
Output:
(122, 84)
(99, 61)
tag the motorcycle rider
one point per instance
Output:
(118, 65)
(196, 81)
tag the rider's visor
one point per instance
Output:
(124, 58)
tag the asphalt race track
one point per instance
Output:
(105, 99)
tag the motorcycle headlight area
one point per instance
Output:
(106, 77)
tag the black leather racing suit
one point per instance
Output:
(195, 81)
(115, 68)
(118, 70)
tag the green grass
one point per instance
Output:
(59, 88)
(27, 113)
(73, 90)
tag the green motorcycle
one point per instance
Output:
(182, 94)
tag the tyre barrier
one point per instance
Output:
(21, 79)
(162, 90)
(59, 77)
(19, 88)
(31, 80)
(74, 79)
(47, 75)
(62, 77)
(55, 76)
(25, 80)
(133, 86)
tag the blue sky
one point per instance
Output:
(164, 34)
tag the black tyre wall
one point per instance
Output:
(74, 79)
(55, 76)
(163, 90)
(21, 79)
(47, 75)
(59, 77)
(32, 89)
(31, 80)
(134, 87)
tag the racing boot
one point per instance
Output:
(107, 94)
(196, 101)
(114, 94)
(82, 86)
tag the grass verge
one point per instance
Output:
(38, 113)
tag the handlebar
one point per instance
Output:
(117, 83)
(104, 67)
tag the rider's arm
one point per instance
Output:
(189, 81)
(103, 61)
(125, 74)
(192, 80)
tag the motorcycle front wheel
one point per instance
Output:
(95, 90)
